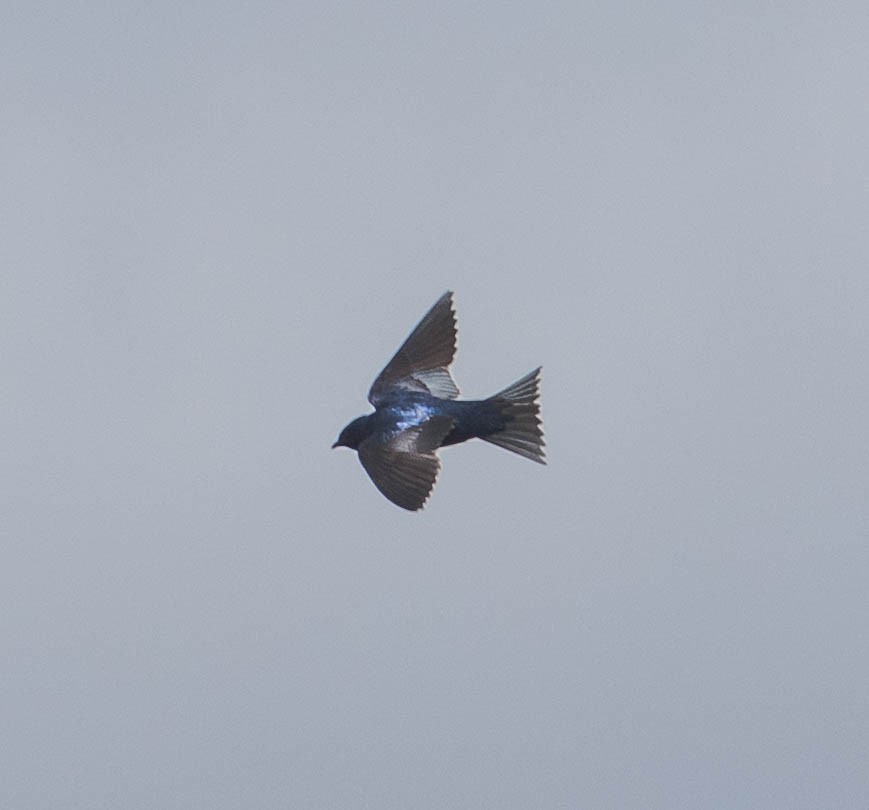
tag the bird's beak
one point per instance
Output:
(335, 445)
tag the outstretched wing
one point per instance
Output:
(404, 468)
(422, 362)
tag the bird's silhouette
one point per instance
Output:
(416, 411)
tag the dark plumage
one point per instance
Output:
(416, 412)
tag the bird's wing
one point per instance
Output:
(404, 467)
(422, 363)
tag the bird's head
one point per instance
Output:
(353, 434)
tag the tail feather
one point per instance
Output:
(523, 432)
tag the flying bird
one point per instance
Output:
(416, 411)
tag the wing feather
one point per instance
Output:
(404, 468)
(422, 363)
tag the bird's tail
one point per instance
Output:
(523, 430)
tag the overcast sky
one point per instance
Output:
(219, 221)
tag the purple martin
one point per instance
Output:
(416, 412)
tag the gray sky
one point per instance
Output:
(218, 224)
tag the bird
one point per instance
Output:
(416, 412)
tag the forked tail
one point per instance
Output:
(523, 430)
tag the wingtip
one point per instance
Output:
(449, 297)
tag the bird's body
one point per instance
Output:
(416, 412)
(471, 419)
